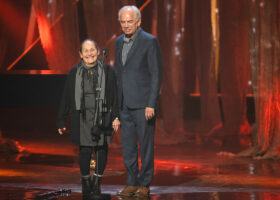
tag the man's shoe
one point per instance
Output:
(142, 192)
(128, 191)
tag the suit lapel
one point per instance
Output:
(133, 48)
(119, 56)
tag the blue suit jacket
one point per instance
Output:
(139, 80)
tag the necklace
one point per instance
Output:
(90, 72)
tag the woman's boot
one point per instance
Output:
(95, 184)
(95, 189)
(86, 187)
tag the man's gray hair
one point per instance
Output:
(134, 9)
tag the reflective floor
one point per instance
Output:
(47, 168)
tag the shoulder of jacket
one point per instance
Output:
(119, 38)
(74, 68)
(73, 71)
(148, 36)
(109, 68)
(106, 66)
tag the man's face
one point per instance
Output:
(89, 53)
(128, 22)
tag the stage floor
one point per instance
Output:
(190, 170)
(183, 171)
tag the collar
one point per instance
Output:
(133, 37)
(86, 67)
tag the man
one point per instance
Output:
(138, 70)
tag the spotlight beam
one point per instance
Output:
(33, 44)
(145, 4)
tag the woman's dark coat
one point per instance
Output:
(68, 104)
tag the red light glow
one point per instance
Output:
(12, 19)
(45, 32)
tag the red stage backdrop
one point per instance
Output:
(216, 51)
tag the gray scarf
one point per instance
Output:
(78, 84)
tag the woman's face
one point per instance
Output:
(89, 53)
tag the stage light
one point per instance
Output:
(45, 32)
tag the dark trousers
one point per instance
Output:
(135, 127)
(85, 155)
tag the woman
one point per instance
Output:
(90, 95)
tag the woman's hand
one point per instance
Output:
(116, 124)
(61, 130)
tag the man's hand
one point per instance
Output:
(149, 113)
(61, 130)
(116, 124)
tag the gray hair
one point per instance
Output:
(88, 40)
(133, 8)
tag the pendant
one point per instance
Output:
(90, 72)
